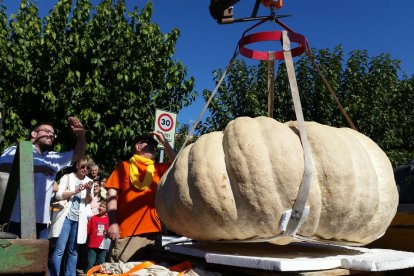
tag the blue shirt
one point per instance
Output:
(43, 184)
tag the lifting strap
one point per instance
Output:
(265, 36)
(208, 102)
(329, 87)
(303, 193)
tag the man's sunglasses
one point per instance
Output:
(48, 131)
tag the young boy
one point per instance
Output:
(97, 244)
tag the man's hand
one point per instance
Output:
(79, 130)
(167, 147)
(113, 231)
(160, 136)
(76, 126)
(111, 207)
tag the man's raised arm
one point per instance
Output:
(79, 131)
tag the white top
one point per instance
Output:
(43, 183)
(69, 182)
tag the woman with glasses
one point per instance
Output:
(98, 195)
(70, 225)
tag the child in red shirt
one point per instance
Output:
(97, 244)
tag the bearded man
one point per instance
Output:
(46, 164)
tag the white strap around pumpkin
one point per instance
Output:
(298, 214)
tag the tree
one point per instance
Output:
(182, 135)
(242, 94)
(376, 98)
(108, 67)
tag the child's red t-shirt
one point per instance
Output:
(97, 228)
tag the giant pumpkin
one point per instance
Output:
(236, 184)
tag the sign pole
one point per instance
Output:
(161, 155)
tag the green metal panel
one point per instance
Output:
(23, 256)
(26, 180)
(26, 255)
(21, 176)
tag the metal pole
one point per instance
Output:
(161, 155)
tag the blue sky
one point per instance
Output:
(379, 26)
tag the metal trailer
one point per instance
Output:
(27, 255)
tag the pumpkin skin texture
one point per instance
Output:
(236, 184)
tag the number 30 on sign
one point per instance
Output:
(165, 123)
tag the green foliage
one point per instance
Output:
(376, 98)
(109, 67)
(242, 94)
(182, 135)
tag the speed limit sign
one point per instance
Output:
(165, 122)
